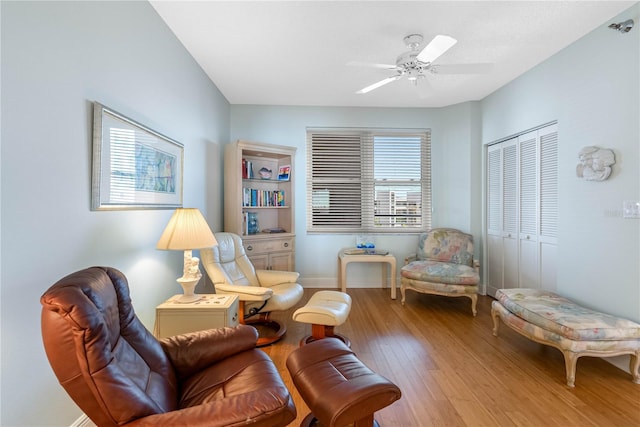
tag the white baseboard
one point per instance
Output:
(331, 283)
(83, 421)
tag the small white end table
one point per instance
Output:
(345, 258)
(211, 311)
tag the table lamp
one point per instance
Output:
(187, 229)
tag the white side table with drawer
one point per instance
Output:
(211, 311)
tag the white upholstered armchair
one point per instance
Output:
(260, 291)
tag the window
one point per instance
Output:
(368, 180)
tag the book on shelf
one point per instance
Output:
(247, 169)
(262, 198)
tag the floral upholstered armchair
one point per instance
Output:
(442, 265)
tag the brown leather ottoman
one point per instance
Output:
(338, 388)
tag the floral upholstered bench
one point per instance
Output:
(550, 319)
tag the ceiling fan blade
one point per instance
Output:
(378, 84)
(371, 65)
(462, 68)
(436, 47)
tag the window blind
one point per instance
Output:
(361, 180)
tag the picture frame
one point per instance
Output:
(284, 172)
(134, 167)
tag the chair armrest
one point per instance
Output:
(410, 258)
(476, 264)
(237, 410)
(245, 293)
(193, 351)
(275, 277)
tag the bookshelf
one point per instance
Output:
(258, 184)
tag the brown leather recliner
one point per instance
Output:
(119, 374)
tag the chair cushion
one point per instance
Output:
(285, 296)
(248, 373)
(564, 317)
(440, 272)
(329, 308)
(446, 245)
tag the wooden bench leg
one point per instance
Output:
(634, 367)
(496, 320)
(570, 361)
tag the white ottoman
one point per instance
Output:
(324, 311)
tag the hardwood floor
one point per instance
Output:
(453, 372)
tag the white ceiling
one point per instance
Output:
(296, 52)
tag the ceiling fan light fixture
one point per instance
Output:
(439, 45)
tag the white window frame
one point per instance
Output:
(341, 181)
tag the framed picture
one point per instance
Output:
(134, 167)
(284, 172)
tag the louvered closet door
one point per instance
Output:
(494, 220)
(522, 211)
(529, 274)
(502, 216)
(510, 213)
(548, 237)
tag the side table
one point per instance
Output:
(210, 311)
(344, 258)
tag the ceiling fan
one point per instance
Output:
(416, 62)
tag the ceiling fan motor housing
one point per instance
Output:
(409, 65)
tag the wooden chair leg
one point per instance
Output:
(319, 332)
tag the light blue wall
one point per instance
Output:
(592, 89)
(58, 57)
(456, 182)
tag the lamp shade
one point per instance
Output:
(187, 229)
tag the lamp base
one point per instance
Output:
(186, 299)
(188, 286)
